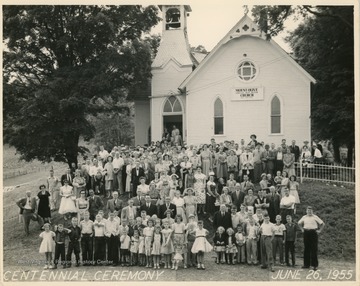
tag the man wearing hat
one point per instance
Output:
(311, 226)
(28, 208)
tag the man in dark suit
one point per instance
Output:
(295, 150)
(167, 206)
(136, 173)
(273, 198)
(68, 176)
(149, 207)
(28, 208)
(95, 204)
(222, 218)
(139, 200)
(237, 196)
(114, 204)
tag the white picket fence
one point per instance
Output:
(326, 172)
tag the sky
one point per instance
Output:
(208, 24)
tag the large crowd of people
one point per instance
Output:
(147, 205)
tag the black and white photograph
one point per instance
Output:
(202, 141)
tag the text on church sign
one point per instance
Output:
(247, 93)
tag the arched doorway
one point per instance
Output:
(173, 115)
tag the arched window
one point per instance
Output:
(218, 117)
(275, 116)
(172, 105)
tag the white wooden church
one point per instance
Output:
(245, 85)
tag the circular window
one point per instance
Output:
(247, 71)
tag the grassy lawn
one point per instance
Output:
(335, 205)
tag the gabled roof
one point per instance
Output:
(177, 48)
(244, 27)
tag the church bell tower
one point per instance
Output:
(172, 64)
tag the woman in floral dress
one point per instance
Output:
(199, 188)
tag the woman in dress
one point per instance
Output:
(190, 203)
(284, 183)
(221, 166)
(294, 190)
(44, 204)
(143, 187)
(211, 193)
(109, 176)
(195, 159)
(154, 193)
(82, 205)
(166, 163)
(232, 163)
(129, 167)
(289, 162)
(205, 156)
(189, 179)
(180, 205)
(199, 188)
(67, 204)
(79, 183)
(249, 199)
(225, 198)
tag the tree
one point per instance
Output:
(324, 45)
(59, 61)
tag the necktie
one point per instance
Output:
(223, 213)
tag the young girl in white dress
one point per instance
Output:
(201, 245)
(149, 235)
(179, 236)
(47, 245)
(167, 247)
(134, 248)
(156, 247)
(141, 252)
(180, 205)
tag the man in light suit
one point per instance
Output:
(28, 206)
(114, 204)
(247, 163)
(129, 212)
(237, 196)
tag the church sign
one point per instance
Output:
(247, 93)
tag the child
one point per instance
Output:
(278, 178)
(252, 237)
(240, 244)
(267, 235)
(168, 218)
(74, 242)
(219, 244)
(99, 240)
(144, 218)
(60, 234)
(201, 245)
(179, 229)
(86, 227)
(148, 234)
(294, 188)
(290, 238)
(190, 238)
(124, 247)
(156, 247)
(167, 247)
(141, 253)
(134, 248)
(279, 239)
(230, 246)
(47, 245)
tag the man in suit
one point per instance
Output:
(114, 204)
(139, 200)
(273, 199)
(295, 150)
(28, 208)
(68, 176)
(246, 184)
(136, 173)
(129, 212)
(167, 206)
(237, 196)
(222, 218)
(149, 207)
(95, 204)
